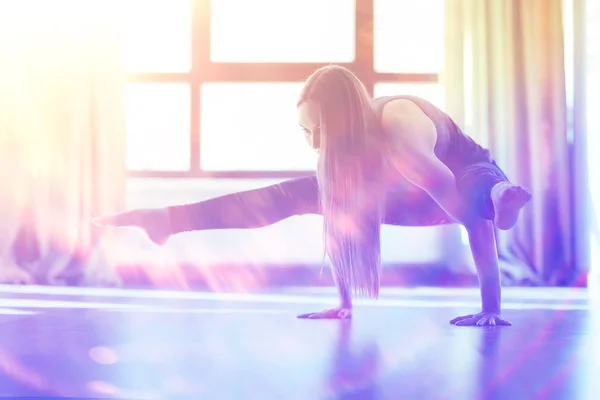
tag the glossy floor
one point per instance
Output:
(104, 343)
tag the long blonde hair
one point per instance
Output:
(350, 177)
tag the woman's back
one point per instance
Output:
(453, 147)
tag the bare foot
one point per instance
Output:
(508, 201)
(13, 274)
(155, 222)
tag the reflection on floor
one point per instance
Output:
(108, 343)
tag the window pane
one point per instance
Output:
(282, 31)
(158, 126)
(432, 92)
(409, 36)
(158, 35)
(252, 126)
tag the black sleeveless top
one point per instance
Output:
(453, 147)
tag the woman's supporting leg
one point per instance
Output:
(242, 210)
(491, 197)
(419, 209)
(487, 188)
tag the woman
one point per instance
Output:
(395, 160)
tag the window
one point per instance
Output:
(214, 83)
(158, 126)
(252, 126)
(282, 31)
(408, 36)
(158, 35)
(432, 92)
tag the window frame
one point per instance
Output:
(203, 70)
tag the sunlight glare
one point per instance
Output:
(253, 126)
(409, 36)
(282, 31)
(158, 35)
(158, 126)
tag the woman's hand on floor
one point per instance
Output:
(481, 319)
(334, 313)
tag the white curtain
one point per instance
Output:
(62, 135)
(505, 85)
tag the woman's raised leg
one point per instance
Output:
(242, 210)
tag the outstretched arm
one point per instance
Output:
(483, 247)
(344, 310)
(343, 293)
(482, 241)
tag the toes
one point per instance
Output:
(516, 194)
(508, 207)
(521, 193)
(526, 194)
